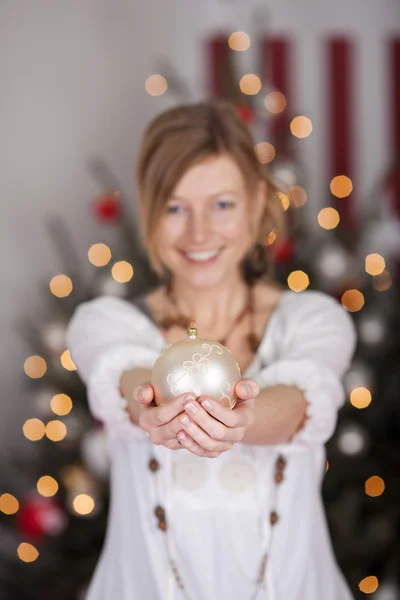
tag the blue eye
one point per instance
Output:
(225, 204)
(173, 209)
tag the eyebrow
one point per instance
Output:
(220, 193)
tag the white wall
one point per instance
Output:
(72, 84)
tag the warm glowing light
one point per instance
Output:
(275, 102)
(122, 271)
(35, 367)
(360, 397)
(61, 404)
(56, 430)
(328, 218)
(47, 486)
(327, 466)
(285, 200)
(9, 505)
(301, 127)
(374, 264)
(67, 361)
(265, 152)
(250, 84)
(33, 429)
(239, 41)
(27, 552)
(99, 255)
(156, 85)
(298, 195)
(83, 504)
(298, 281)
(382, 282)
(271, 237)
(374, 486)
(61, 286)
(369, 585)
(353, 300)
(341, 186)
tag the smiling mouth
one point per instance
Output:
(204, 257)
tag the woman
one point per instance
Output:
(248, 524)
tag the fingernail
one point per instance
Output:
(246, 388)
(187, 398)
(207, 405)
(185, 421)
(191, 408)
(138, 392)
(181, 436)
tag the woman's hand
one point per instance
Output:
(206, 428)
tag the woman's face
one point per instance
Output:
(208, 223)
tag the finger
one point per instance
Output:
(240, 416)
(216, 429)
(160, 415)
(202, 438)
(246, 389)
(189, 444)
(144, 394)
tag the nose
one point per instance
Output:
(198, 227)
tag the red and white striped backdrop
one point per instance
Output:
(276, 68)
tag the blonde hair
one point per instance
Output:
(183, 136)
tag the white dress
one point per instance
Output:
(218, 510)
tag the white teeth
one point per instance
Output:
(202, 256)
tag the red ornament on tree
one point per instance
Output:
(284, 251)
(245, 112)
(38, 517)
(107, 208)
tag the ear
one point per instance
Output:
(259, 202)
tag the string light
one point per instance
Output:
(265, 152)
(301, 127)
(27, 553)
(122, 271)
(239, 41)
(35, 367)
(9, 505)
(47, 486)
(353, 300)
(328, 218)
(99, 254)
(56, 430)
(374, 264)
(374, 486)
(156, 85)
(298, 195)
(382, 282)
(275, 102)
(369, 585)
(67, 361)
(250, 84)
(341, 186)
(61, 286)
(360, 397)
(61, 404)
(83, 504)
(34, 429)
(298, 281)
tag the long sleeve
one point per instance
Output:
(107, 336)
(316, 339)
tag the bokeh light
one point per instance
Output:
(61, 286)
(275, 102)
(35, 367)
(285, 200)
(369, 585)
(250, 84)
(56, 430)
(341, 186)
(298, 195)
(99, 254)
(327, 466)
(156, 85)
(34, 429)
(67, 361)
(27, 553)
(382, 282)
(122, 271)
(301, 127)
(9, 505)
(265, 152)
(47, 486)
(374, 486)
(271, 237)
(239, 41)
(298, 281)
(61, 404)
(360, 397)
(353, 300)
(374, 264)
(83, 504)
(328, 218)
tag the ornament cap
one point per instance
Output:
(192, 330)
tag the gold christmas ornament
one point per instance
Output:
(196, 365)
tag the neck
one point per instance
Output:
(211, 308)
